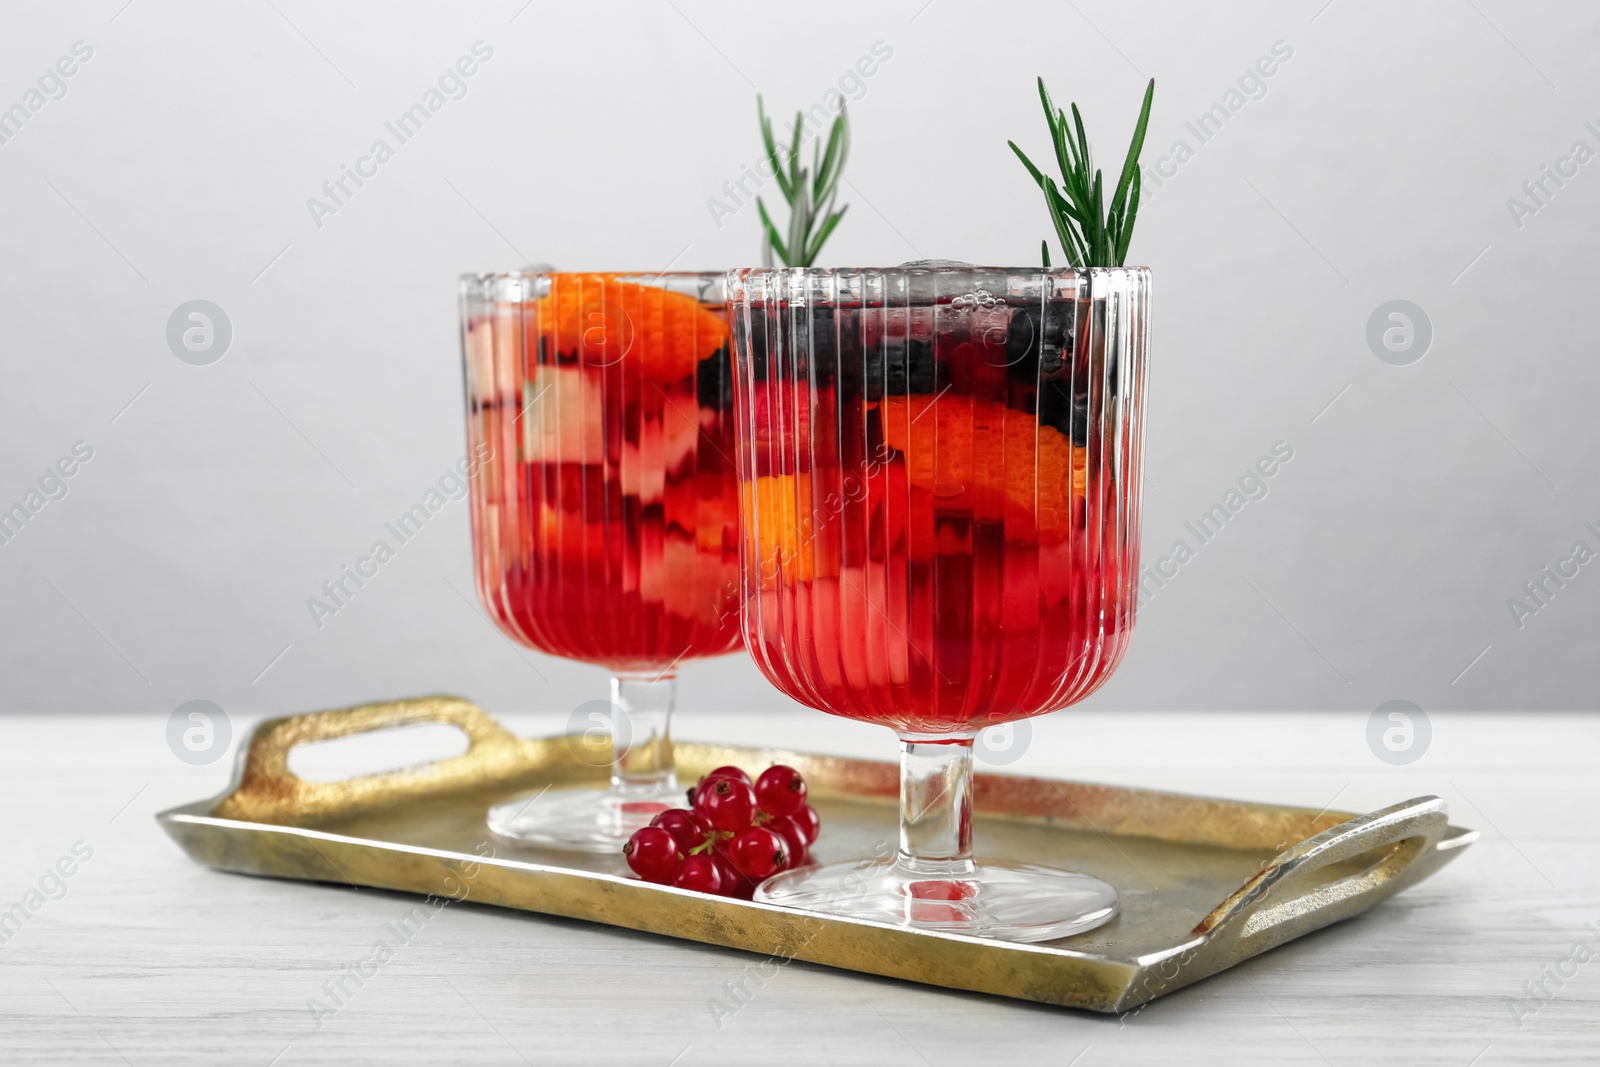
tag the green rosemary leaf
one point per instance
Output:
(1050, 121)
(1092, 232)
(1052, 197)
(810, 192)
(1100, 255)
(1130, 215)
(827, 172)
(772, 150)
(773, 239)
(1061, 140)
(799, 222)
(1044, 98)
(837, 175)
(1130, 166)
(794, 152)
(1085, 163)
(1033, 171)
(1071, 246)
(1077, 252)
(1075, 175)
(1058, 139)
(823, 234)
(1060, 205)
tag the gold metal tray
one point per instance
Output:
(1204, 883)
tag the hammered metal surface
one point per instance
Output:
(1204, 883)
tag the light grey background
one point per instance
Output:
(1377, 166)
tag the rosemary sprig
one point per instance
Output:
(810, 191)
(1092, 233)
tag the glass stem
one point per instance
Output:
(936, 805)
(641, 734)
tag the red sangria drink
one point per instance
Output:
(605, 510)
(939, 469)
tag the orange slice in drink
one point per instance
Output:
(963, 448)
(777, 514)
(603, 320)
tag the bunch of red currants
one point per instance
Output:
(737, 833)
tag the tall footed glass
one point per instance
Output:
(939, 468)
(604, 511)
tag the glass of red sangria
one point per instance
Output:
(939, 468)
(604, 511)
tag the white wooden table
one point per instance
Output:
(140, 956)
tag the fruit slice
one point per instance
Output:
(964, 448)
(563, 419)
(781, 423)
(600, 320)
(563, 416)
(778, 515)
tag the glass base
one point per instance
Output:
(583, 820)
(982, 898)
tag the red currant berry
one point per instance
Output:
(687, 828)
(729, 804)
(734, 884)
(652, 853)
(809, 821)
(793, 836)
(758, 852)
(780, 790)
(700, 873)
(697, 794)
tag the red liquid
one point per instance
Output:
(923, 550)
(604, 516)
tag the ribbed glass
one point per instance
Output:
(605, 515)
(940, 483)
(604, 507)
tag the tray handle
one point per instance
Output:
(266, 790)
(1287, 898)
